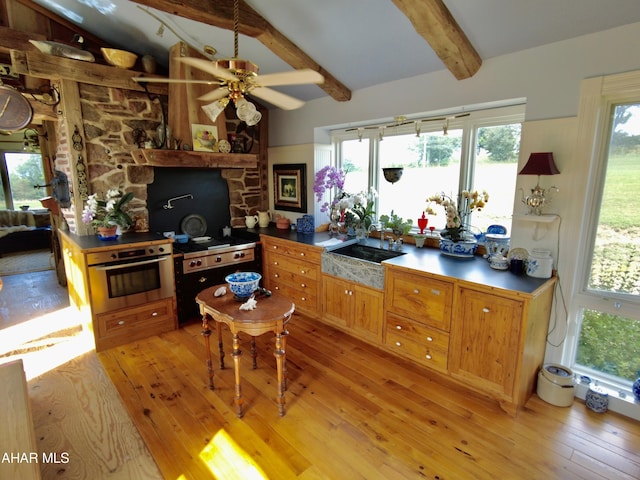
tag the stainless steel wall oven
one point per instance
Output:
(126, 277)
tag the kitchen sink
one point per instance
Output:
(364, 252)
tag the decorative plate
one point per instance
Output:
(194, 225)
(15, 110)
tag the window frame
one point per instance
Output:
(598, 97)
(468, 122)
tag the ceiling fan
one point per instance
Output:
(236, 77)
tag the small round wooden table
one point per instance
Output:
(271, 314)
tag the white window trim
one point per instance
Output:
(596, 99)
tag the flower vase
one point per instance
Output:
(461, 249)
(108, 233)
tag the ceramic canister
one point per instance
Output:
(597, 399)
(540, 263)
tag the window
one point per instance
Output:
(20, 172)
(478, 150)
(608, 345)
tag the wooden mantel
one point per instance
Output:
(183, 158)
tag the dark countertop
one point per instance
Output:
(428, 260)
(92, 242)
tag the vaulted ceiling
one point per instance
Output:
(354, 43)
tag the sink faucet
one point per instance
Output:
(169, 206)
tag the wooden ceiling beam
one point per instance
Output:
(434, 22)
(251, 23)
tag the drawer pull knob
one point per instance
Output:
(416, 291)
(427, 356)
(275, 247)
(429, 339)
(486, 310)
(304, 299)
(303, 285)
(302, 254)
(154, 314)
(398, 344)
(276, 275)
(275, 263)
(277, 288)
(302, 272)
(435, 292)
(398, 327)
(121, 322)
(346, 292)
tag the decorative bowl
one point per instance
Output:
(243, 284)
(462, 249)
(119, 58)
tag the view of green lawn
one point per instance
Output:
(611, 343)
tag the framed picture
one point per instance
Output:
(204, 137)
(290, 187)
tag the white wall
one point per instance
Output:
(548, 77)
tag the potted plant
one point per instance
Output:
(456, 237)
(107, 214)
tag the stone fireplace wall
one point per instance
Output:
(110, 117)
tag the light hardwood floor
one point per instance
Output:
(353, 412)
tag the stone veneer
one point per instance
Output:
(110, 117)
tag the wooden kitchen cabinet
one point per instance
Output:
(418, 317)
(490, 340)
(75, 269)
(118, 326)
(130, 324)
(353, 307)
(498, 341)
(293, 270)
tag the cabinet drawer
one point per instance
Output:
(130, 323)
(304, 299)
(301, 268)
(425, 353)
(283, 276)
(422, 299)
(399, 327)
(292, 249)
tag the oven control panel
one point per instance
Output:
(123, 254)
(218, 259)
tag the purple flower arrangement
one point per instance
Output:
(327, 178)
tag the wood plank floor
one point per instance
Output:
(353, 412)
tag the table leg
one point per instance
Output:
(280, 355)
(236, 362)
(285, 372)
(206, 333)
(254, 352)
(220, 346)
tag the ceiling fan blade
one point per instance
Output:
(209, 67)
(173, 80)
(276, 98)
(214, 95)
(295, 77)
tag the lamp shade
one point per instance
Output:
(540, 163)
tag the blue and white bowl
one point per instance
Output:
(243, 284)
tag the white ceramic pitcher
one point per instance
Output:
(264, 218)
(250, 220)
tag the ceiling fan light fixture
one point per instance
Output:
(247, 112)
(214, 109)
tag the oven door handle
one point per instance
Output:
(135, 264)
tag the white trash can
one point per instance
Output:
(556, 385)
